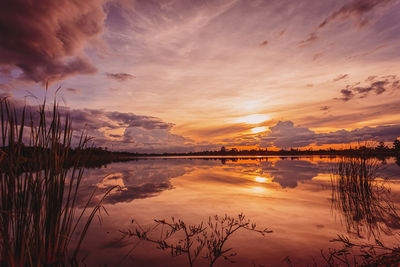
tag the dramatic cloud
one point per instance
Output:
(285, 134)
(45, 38)
(132, 120)
(138, 133)
(379, 133)
(121, 77)
(122, 131)
(390, 82)
(152, 138)
(346, 95)
(356, 10)
(341, 77)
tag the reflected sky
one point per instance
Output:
(291, 196)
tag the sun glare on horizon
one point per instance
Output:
(260, 179)
(258, 129)
(253, 119)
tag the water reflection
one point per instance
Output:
(136, 179)
(148, 177)
(364, 202)
(202, 241)
(290, 195)
(289, 172)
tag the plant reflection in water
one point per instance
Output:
(204, 240)
(362, 200)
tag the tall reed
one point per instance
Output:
(363, 202)
(37, 192)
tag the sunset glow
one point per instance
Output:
(179, 76)
(258, 129)
(257, 189)
(253, 119)
(260, 179)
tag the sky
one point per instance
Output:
(192, 75)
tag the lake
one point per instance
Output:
(295, 197)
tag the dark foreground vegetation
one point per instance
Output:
(38, 214)
(88, 156)
(365, 206)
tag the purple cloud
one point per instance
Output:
(390, 82)
(346, 95)
(45, 38)
(340, 77)
(286, 134)
(120, 77)
(356, 9)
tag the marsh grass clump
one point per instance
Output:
(37, 191)
(368, 254)
(363, 201)
(205, 240)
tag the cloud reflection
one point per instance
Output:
(145, 178)
(137, 179)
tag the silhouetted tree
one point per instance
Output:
(396, 145)
(381, 146)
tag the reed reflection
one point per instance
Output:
(204, 240)
(362, 200)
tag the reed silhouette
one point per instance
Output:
(367, 210)
(366, 207)
(38, 197)
(363, 202)
(361, 254)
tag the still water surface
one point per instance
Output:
(292, 196)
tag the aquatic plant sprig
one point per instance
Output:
(361, 254)
(181, 238)
(363, 202)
